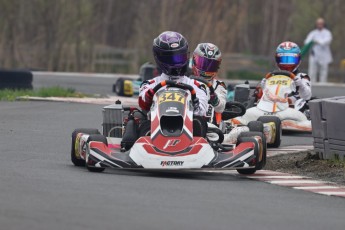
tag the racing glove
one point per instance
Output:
(263, 83)
(196, 104)
(214, 100)
(149, 97)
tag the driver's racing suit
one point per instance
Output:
(220, 90)
(303, 88)
(200, 90)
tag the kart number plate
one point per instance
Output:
(279, 80)
(171, 97)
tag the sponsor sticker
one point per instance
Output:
(174, 45)
(172, 163)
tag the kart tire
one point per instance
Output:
(256, 126)
(119, 86)
(100, 138)
(262, 163)
(246, 171)
(245, 138)
(76, 161)
(144, 128)
(278, 132)
(15, 79)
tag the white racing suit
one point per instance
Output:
(277, 104)
(220, 90)
(201, 93)
(303, 88)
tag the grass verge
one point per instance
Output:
(56, 91)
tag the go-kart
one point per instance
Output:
(129, 87)
(171, 138)
(274, 103)
(269, 126)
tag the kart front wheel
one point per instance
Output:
(260, 164)
(246, 171)
(98, 138)
(275, 129)
(256, 126)
(74, 158)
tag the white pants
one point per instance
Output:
(291, 119)
(316, 68)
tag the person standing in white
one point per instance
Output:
(320, 55)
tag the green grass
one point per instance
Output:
(56, 91)
(336, 161)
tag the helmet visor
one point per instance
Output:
(174, 59)
(205, 64)
(288, 59)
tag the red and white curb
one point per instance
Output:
(298, 182)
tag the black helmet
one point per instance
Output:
(170, 50)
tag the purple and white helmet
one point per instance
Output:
(170, 51)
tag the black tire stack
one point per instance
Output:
(15, 79)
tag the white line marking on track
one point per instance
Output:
(295, 182)
(316, 187)
(332, 193)
(275, 177)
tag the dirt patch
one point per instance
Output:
(308, 164)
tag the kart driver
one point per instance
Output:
(170, 51)
(288, 58)
(205, 63)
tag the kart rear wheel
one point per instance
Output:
(119, 87)
(145, 128)
(261, 164)
(278, 129)
(256, 126)
(99, 138)
(75, 160)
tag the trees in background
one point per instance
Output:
(84, 35)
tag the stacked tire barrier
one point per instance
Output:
(15, 79)
(328, 122)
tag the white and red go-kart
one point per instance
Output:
(274, 102)
(177, 140)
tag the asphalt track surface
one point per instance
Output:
(40, 189)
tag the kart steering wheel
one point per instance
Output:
(281, 72)
(177, 85)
